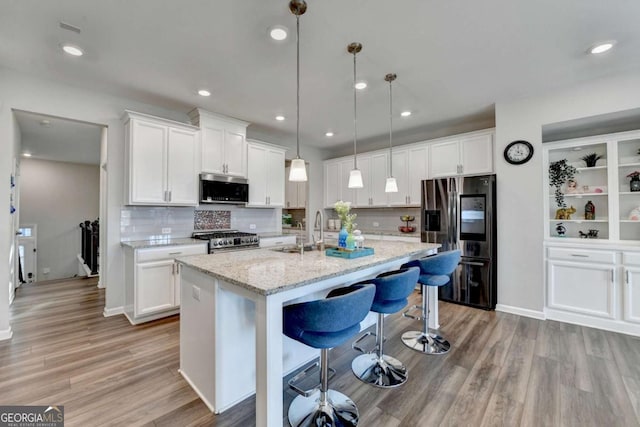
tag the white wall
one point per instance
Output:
(57, 196)
(520, 193)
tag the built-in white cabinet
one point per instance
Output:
(152, 280)
(161, 158)
(266, 174)
(631, 277)
(373, 167)
(606, 185)
(295, 193)
(336, 181)
(409, 169)
(223, 143)
(470, 154)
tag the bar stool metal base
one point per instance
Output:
(338, 410)
(385, 372)
(426, 343)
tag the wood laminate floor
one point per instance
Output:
(503, 370)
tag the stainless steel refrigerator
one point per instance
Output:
(460, 213)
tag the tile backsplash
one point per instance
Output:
(148, 222)
(387, 219)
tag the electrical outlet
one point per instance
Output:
(252, 226)
(195, 291)
(166, 230)
(376, 224)
(46, 270)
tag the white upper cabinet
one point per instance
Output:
(223, 143)
(470, 154)
(295, 192)
(161, 159)
(266, 175)
(336, 181)
(409, 169)
(373, 167)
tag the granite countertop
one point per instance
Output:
(154, 243)
(266, 271)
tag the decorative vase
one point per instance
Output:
(351, 242)
(589, 211)
(634, 185)
(342, 238)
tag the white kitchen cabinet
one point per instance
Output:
(295, 192)
(266, 174)
(223, 143)
(631, 277)
(470, 154)
(161, 159)
(152, 280)
(284, 240)
(373, 167)
(336, 181)
(409, 169)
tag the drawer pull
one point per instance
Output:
(278, 243)
(580, 256)
(175, 253)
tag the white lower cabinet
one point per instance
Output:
(594, 287)
(152, 281)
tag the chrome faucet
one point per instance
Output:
(319, 216)
(301, 246)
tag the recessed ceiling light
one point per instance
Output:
(204, 92)
(361, 85)
(329, 134)
(279, 118)
(601, 47)
(26, 154)
(72, 50)
(405, 113)
(278, 32)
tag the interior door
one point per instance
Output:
(27, 252)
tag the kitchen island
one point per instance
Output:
(231, 341)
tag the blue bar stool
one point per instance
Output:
(325, 324)
(434, 271)
(377, 368)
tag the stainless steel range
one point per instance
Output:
(228, 239)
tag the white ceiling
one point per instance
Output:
(454, 59)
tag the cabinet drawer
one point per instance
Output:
(631, 258)
(268, 242)
(170, 252)
(582, 255)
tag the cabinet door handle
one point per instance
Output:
(408, 200)
(627, 274)
(169, 195)
(613, 276)
(173, 268)
(175, 253)
(580, 256)
(177, 268)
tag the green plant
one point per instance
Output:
(559, 173)
(591, 159)
(342, 209)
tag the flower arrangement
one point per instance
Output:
(634, 176)
(342, 209)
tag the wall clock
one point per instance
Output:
(518, 152)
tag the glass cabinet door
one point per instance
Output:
(628, 189)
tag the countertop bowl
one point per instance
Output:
(406, 229)
(406, 218)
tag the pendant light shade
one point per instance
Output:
(355, 176)
(391, 186)
(298, 171)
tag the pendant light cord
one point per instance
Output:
(355, 130)
(298, 86)
(390, 130)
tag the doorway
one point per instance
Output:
(27, 253)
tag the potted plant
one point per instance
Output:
(591, 159)
(634, 184)
(559, 173)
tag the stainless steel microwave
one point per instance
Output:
(223, 189)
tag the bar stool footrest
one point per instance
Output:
(408, 312)
(362, 337)
(301, 376)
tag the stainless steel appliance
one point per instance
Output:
(460, 213)
(223, 189)
(223, 240)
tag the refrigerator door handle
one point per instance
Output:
(477, 264)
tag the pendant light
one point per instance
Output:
(298, 170)
(355, 176)
(391, 185)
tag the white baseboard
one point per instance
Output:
(521, 311)
(100, 285)
(6, 334)
(594, 322)
(198, 392)
(108, 312)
